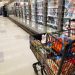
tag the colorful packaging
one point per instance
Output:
(57, 45)
(68, 68)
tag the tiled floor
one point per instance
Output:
(16, 57)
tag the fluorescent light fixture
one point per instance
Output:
(21, 3)
(1, 4)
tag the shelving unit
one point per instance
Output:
(52, 12)
(33, 10)
(44, 12)
(69, 6)
(27, 11)
(16, 9)
(40, 11)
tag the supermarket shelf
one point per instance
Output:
(32, 27)
(52, 15)
(23, 26)
(52, 25)
(40, 14)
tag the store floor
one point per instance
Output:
(16, 58)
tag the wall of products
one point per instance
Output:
(40, 11)
(27, 10)
(33, 10)
(52, 12)
(20, 8)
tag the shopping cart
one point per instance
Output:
(55, 54)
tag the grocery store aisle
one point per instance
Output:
(16, 57)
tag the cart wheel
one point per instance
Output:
(42, 70)
(35, 68)
(45, 72)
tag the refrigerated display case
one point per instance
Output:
(21, 10)
(52, 13)
(16, 10)
(40, 11)
(33, 10)
(11, 9)
(27, 11)
(69, 15)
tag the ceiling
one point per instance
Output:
(2, 2)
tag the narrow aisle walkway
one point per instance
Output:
(16, 57)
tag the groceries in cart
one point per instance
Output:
(50, 48)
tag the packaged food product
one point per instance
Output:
(68, 68)
(58, 60)
(53, 66)
(73, 47)
(57, 45)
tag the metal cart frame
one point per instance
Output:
(41, 61)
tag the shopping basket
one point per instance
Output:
(55, 54)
